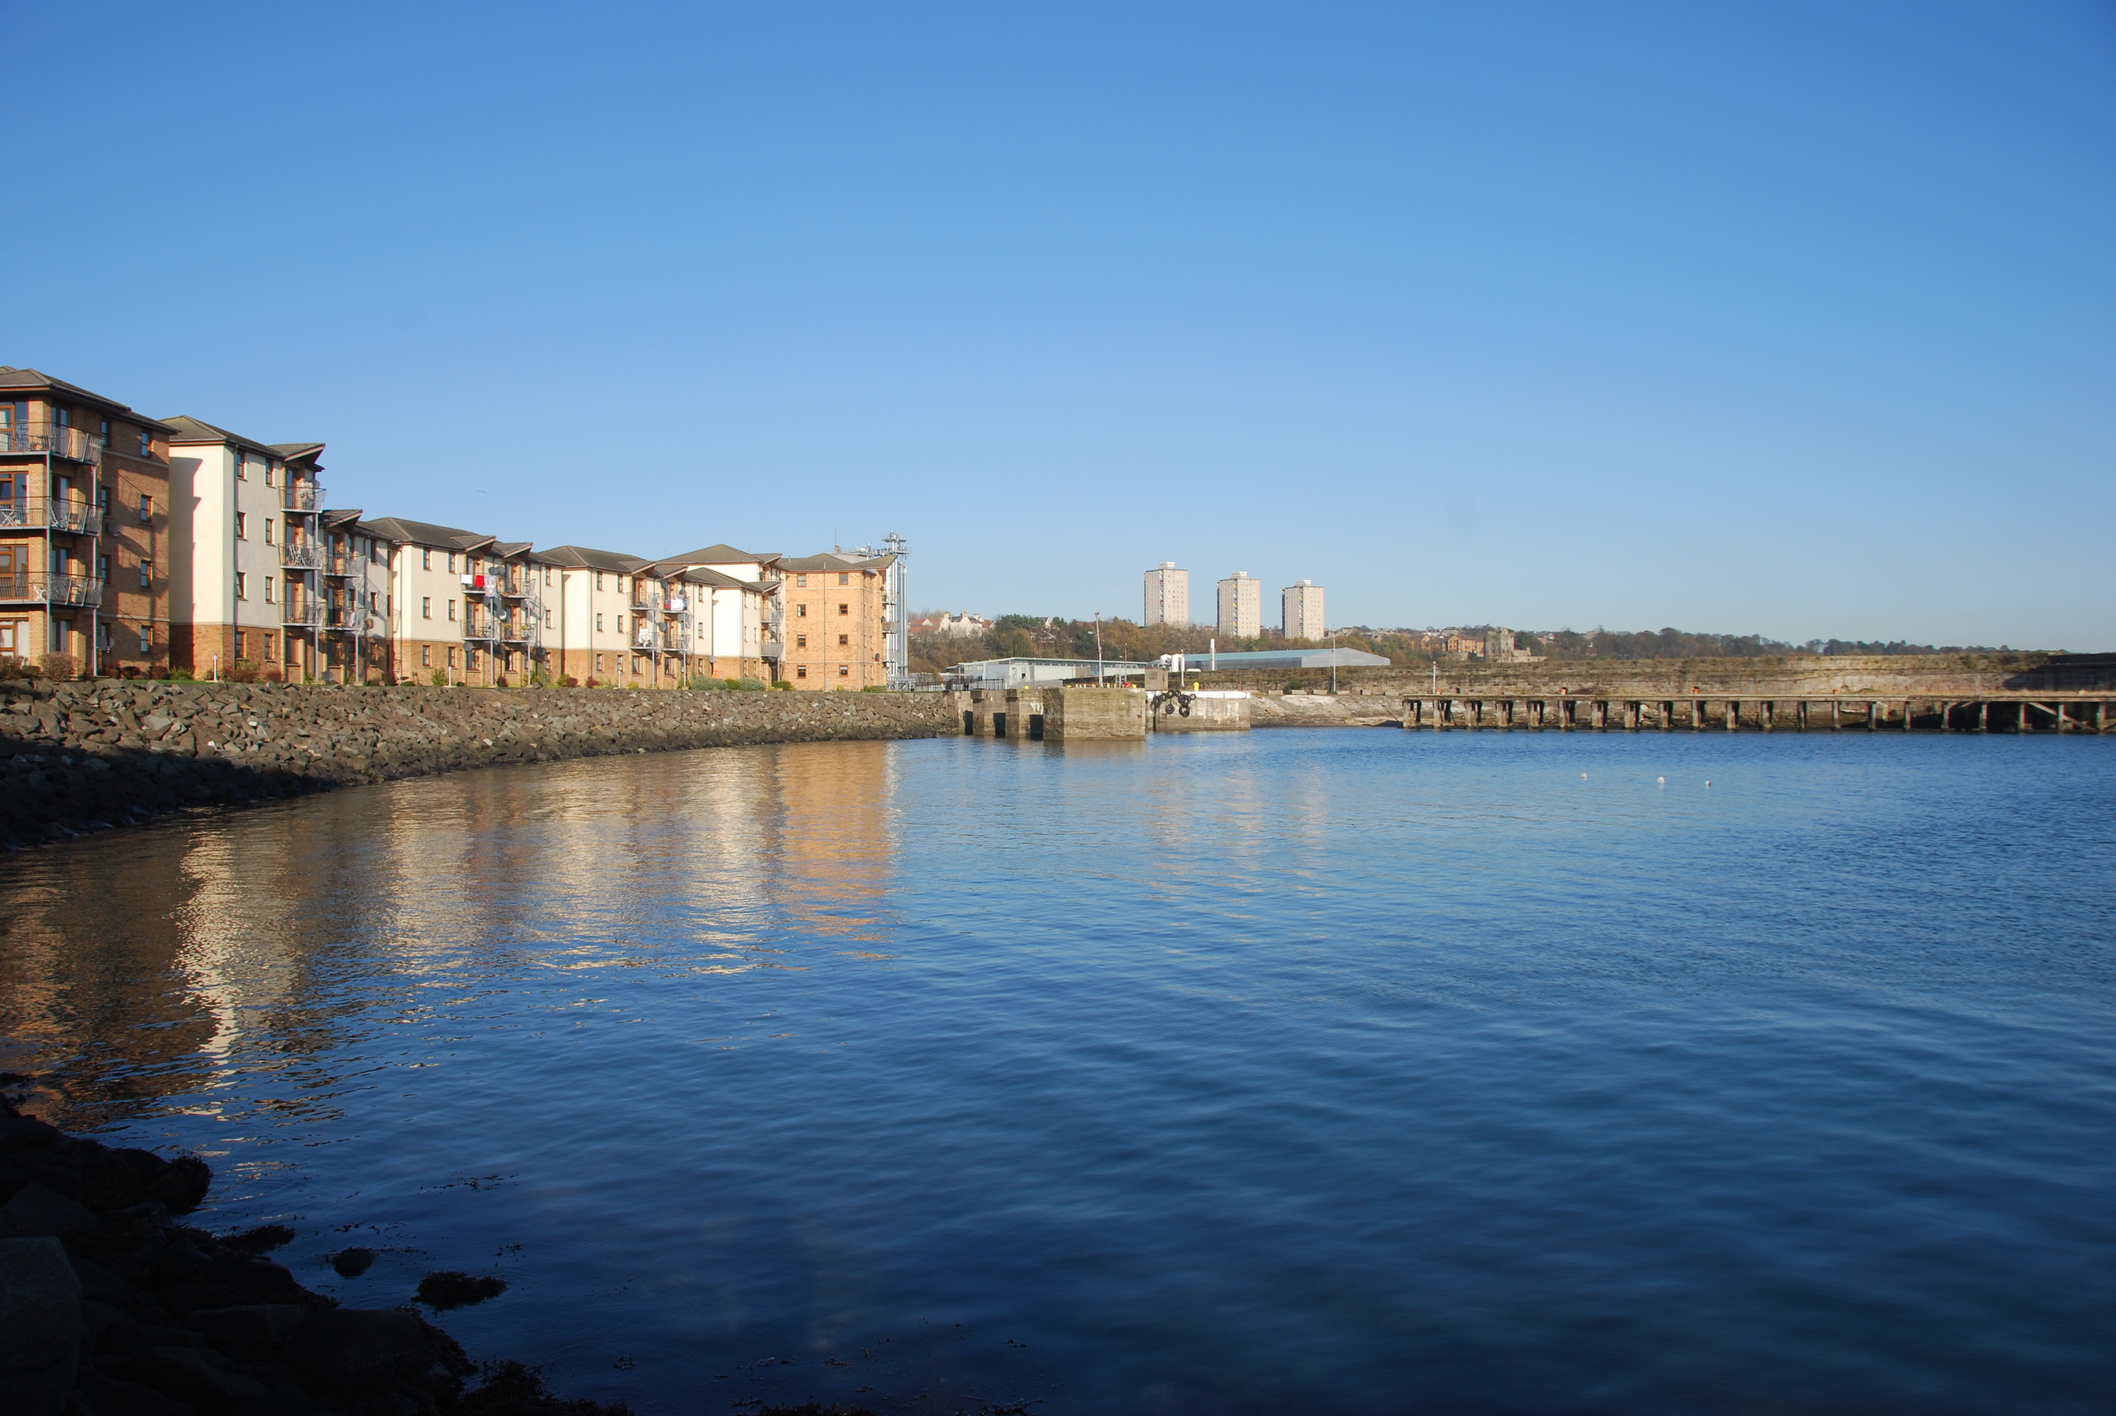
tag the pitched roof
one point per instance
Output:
(425, 533)
(833, 560)
(592, 559)
(722, 554)
(185, 430)
(13, 378)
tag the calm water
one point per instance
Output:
(1356, 1071)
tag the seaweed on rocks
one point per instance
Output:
(109, 1305)
(351, 1263)
(451, 1288)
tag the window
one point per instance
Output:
(451, 658)
(103, 499)
(844, 639)
(598, 663)
(844, 579)
(426, 656)
(620, 624)
(801, 672)
(8, 641)
(239, 637)
(426, 607)
(844, 671)
(268, 474)
(146, 508)
(146, 449)
(242, 474)
(145, 570)
(800, 612)
(268, 646)
(451, 613)
(268, 530)
(242, 586)
(800, 641)
(452, 562)
(800, 580)
(843, 608)
(425, 559)
(242, 526)
(547, 619)
(598, 624)
(268, 589)
(146, 638)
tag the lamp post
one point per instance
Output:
(1098, 647)
(1333, 663)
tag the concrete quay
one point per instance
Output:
(1081, 713)
(1981, 713)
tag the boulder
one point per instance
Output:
(40, 1323)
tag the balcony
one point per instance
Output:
(301, 555)
(76, 590)
(481, 627)
(74, 444)
(50, 514)
(300, 496)
(309, 613)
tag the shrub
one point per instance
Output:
(570, 682)
(499, 680)
(180, 675)
(594, 682)
(731, 683)
(750, 685)
(273, 674)
(60, 666)
(786, 684)
(876, 688)
(13, 668)
(241, 671)
(377, 679)
(440, 678)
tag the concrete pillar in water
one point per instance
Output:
(1630, 717)
(1764, 711)
(1983, 716)
(1733, 715)
(1836, 715)
(1094, 714)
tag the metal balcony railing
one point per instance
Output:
(301, 496)
(310, 613)
(300, 555)
(74, 444)
(77, 590)
(481, 627)
(50, 514)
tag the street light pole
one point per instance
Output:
(1333, 663)
(1098, 647)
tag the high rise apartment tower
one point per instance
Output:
(1167, 595)
(1302, 611)
(1241, 606)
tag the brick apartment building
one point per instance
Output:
(836, 620)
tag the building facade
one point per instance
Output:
(837, 620)
(738, 610)
(1241, 606)
(1167, 595)
(84, 528)
(1301, 611)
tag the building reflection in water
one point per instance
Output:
(252, 955)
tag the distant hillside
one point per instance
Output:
(1052, 637)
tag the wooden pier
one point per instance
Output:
(1974, 713)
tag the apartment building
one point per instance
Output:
(1301, 611)
(84, 527)
(595, 606)
(1241, 606)
(1167, 595)
(838, 620)
(357, 601)
(738, 610)
(245, 551)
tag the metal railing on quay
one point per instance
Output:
(74, 444)
(50, 514)
(78, 590)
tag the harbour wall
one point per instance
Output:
(1791, 676)
(82, 756)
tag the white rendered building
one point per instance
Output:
(1167, 595)
(1302, 611)
(1241, 606)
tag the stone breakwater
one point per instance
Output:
(109, 1306)
(77, 757)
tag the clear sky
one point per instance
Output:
(1788, 319)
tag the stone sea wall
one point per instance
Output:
(83, 756)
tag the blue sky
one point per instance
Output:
(1790, 319)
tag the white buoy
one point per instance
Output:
(1583, 776)
(1662, 780)
(1708, 781)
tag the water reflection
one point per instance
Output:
(164, 962)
